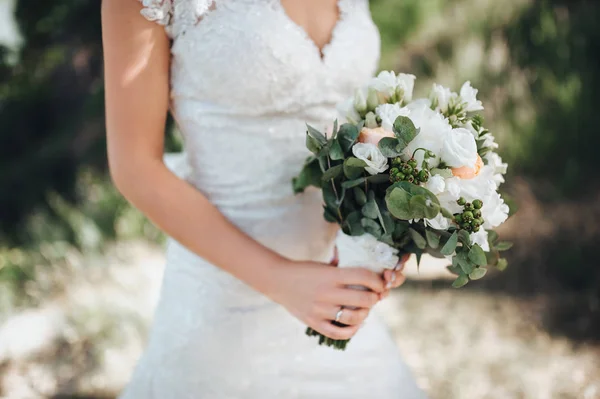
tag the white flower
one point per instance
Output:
(376, 162)
(470, 128)
(494, 210)
(433, 128)
(385, 83)
(481, 238)
(459, 149)
(365, 251)
(440, 222)
(360, 101)
(348, 112)
(436, 184)
(388, 114)
(498, 167)
(405, 86)
(441, 97)
(469, 96)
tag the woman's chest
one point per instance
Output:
(250, 53)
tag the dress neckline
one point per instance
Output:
(321, 52)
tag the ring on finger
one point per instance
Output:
(339, 314)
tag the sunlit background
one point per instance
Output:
(80, 269)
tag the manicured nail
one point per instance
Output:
(392, 279)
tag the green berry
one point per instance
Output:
(397, 161)
(469, 206)
(477, 204)
(423, 176)
(475, 229)
(480, 221)
(458, 218)
(407, 169)
(410, 179)
(394, 171)
(461, 201)
(413, 163)
(476, 213)
(467, 216)
(465, 226)
(401, 176)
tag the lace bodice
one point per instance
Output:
(244, 81)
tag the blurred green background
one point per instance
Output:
(536, 63)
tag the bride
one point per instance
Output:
(248, 263)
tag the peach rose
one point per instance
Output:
(372, 136)
(464, 172)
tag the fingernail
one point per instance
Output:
(392, 279)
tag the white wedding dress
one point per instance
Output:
(245, 79)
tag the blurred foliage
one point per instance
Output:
(536, 63)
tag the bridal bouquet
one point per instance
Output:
(410, 176)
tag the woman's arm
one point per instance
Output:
(137, 60)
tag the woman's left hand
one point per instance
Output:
(395, 278)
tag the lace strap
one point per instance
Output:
(175, 15)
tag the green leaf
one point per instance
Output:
(421, 210)
(310, 175)
(433, 239)
(313, 145)
(504, 246)
(398, 203)
(360, 196)
(460, 281)
(329, 196)
(332, 173)
(378, 178)
(450, 246)
(445, 172)
(492, 237)
(353, 167)
(502, 264)
(419, 255)
(477, 255)
(390, 147)
(347, 136)
(492, 257)
(335, 128)
(478, 273)
(329, 215)
(335, 152)
(372, 227)
(419, 240)
(405, 130)
(387, 222)
(315, 134)
(463, 261)
(354, 225)
(464, 237)
(353, 183)
(453, 269)
(370, 209)
(398, 200)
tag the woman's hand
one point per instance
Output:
(315, 293)
(395, 278)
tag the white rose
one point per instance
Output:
(459, 149)
(436, 184)
(433, 128)
(481, 238)
(365, 251)
(494, 211)
(469, 96)
(405, 86)
(375, 160)
(348, 112)
(385, 83)
(388, 114)
(441, 96)
(499, 168)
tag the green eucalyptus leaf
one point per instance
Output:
(504, 246)
(390, 147)
(492, 257)
(313, 145)
(450, 246)
(464, 237)
(492, 237)
(335, 152)
(329, 215)
(405, 130)
(370, 209)
(310, 175)
(454, 269)
(418, 239)
(372, 227)
(478, 273)
(329, 196)
(422, 208)
(433, 239)
(463, 261)
(353, 167)
(347, 136)
(317, 135)
(379, 178)
(335, 128)
(477, 255)
(460, 281)
(387, 222)
(446, 213)
(360, 196)
(353, 223)
(398, 203)
(353, 183)
(332, 173)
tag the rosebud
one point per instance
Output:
(461, 201)
(477, 204)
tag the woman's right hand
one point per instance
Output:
(315, 292)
